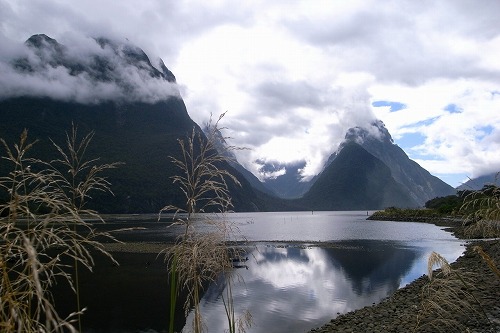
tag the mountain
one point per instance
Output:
(224, 149)
(288, 185)
(356, 180)
(368, 171)
(133, 106)
(376, 139)
(479, 182)
(415, 180)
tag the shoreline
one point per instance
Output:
(398, 312)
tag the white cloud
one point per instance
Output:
(460, 142)
(51, 74)
(295, 75)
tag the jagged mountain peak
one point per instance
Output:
(51, 51)
(42, 41)
(376, 131)
(135, 55)
(87, 71)
(356, 180)
(377, 140)
(48, 51)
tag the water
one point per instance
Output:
(303, 269)
(297, 284)
(330, 226)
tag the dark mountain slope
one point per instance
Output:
(356, 180)
(142, 136)
(134, 108)
(418, 182)
(227, 151)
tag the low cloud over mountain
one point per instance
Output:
(113, 90)
(87, 71)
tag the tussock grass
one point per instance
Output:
(481, 211)
(42, 205)
(488, 260)
(200, 254)
(448, 300)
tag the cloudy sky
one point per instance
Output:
(295, 75)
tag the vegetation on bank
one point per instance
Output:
(44, 238)
(449, 299)
(466, 206)
(406, 214)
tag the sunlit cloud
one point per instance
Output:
(295, 76)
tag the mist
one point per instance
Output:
(84, 71)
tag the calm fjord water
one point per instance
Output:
(292, 283)
(294, 287)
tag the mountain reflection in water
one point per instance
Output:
(293, 288)
(305, 268)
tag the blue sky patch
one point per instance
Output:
(484, 131)
(454, 180)
(453, 108)
(426, 122)
(395, 106)
(409, 140)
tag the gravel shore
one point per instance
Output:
(399, 312)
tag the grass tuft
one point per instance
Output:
(43, 232)
(200, 254)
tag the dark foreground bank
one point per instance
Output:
(399, 312)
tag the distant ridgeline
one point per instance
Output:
(137, 113)
(368, 171)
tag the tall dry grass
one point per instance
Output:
(200, 254)
(44, 234)
(448, 299)
(481, 210)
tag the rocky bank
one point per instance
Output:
(401, 311)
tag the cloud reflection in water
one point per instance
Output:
(293, 288)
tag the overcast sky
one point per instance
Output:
(295, 75)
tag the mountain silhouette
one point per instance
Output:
(136, 127)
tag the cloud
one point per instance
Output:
(294, 76)
(287, 95)
(406, 42)
(455, 123)
(159, 27)
(83, 71)
(298, 128)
